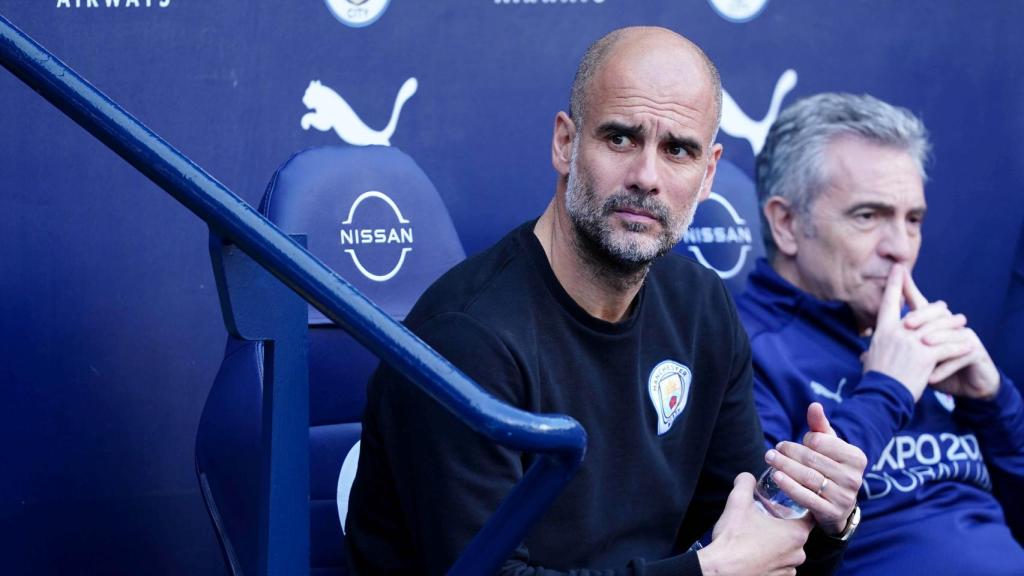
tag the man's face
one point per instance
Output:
(641, 161)
(866, 219)
(647, 228)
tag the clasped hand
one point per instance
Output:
(929, 346)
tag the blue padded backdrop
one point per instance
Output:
(108, 312)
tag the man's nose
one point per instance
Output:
(643, 172)
(898, 244)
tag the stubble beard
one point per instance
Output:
(623, 256)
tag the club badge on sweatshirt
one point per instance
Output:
(669, 386)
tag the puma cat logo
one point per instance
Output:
(736, 123)
(820, 390)
(331, 111)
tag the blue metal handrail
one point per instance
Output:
(560, 440)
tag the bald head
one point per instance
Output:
(634, 39)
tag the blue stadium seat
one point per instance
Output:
(372, 216)
(726, 231)
(1011, 333)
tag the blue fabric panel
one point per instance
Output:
(340, 367)
(327, 542)
(1009, 346)
(228, 450)
(328, 447)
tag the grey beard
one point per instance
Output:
(595, 242)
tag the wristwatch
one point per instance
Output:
(851, 526)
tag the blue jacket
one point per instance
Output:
(937, 472)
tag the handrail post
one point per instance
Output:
(257, 307)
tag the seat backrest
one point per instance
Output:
(726, 231)
(373, 217)
(1011, 333)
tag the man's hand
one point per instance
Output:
(746, 540)
(901, 352)
(968, 371)
(823, 474)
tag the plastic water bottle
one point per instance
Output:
(774, 501)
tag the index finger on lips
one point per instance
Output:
(889, 311)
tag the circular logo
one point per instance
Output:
(725, 234)
(357, 13)
(730, 233)
(738, 11)
(382, 236)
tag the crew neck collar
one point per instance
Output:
(539, 258)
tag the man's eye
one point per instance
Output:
(864, 216)
(677, 151)
(620, 140)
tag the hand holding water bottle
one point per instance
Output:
(820, 476)
(747, 542)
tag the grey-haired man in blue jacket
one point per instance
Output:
(841, 185)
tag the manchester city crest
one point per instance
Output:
(669, 387)
(357, 13)
(738, 11)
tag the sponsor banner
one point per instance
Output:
(113, 3)
(543, 2)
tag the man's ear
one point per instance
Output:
(709, 172)
(782, 219)
(561, 143)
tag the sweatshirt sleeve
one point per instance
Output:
(449, 479)
(868, 417)
(873, 413)
(736, 442)
(999, 426)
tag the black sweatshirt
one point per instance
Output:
(426, 483)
